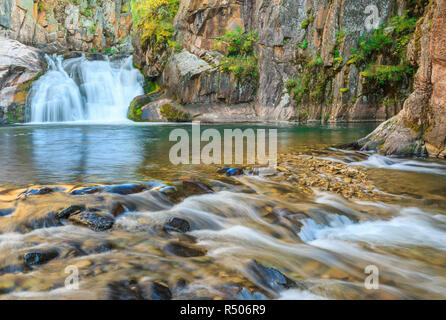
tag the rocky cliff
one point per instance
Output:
(54, 25)
(420, 128)
(292, 34)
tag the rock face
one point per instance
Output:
(83, 25)
(19, 66)
(420, 127)
(279, 25)
(194, 81)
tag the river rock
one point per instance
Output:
(6, 212)
(268, 277)
(177, 225)
(40, 257)
(184, 250)
(93, 220)
(154, 290)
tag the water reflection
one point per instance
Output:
(118, 153)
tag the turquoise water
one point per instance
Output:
(88, 153)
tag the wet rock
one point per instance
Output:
(124, 189)
(93, 220)
(192, 187)
(117, 209)
(230, 172)
(177, 225)
(184, 250)
(268, 277)
(186, 189)
(6, 212)
(89, 190)
(40, 257)
(35, 192)
(123, 290)
(155, 290)
(71, 210)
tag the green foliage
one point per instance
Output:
(344, 90)
(87, 12)
(241, 59)
(154, 20)
(244, 68)
(150, 86)
(385, 75)
(303, 45)
(110, 51)
(238, 42)
(340, 36)
(390, 39)
(307, 22)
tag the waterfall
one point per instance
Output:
(78, 89)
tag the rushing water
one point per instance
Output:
(78, 89)
(322, 241)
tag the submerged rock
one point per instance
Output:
(71, 210)
(184, 250)
(40, 257)
(123, 290)
(186, 189)
(177, 225)
(6, 212)
(124, 189)
(268, 277)
(155, 290)
(34, 192)
(230, 172)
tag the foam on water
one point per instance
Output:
(382, 162)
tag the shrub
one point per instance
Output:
(154, 19)
(241, 59)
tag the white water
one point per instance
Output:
(78, 89)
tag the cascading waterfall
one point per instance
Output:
(78, 89)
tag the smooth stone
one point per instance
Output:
(231, 172)
(155, 290)
(177, 225)
(71, 210)
(269, 277)
(40, 257)
(6, 212)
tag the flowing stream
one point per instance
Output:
(80, 89)
(253, 237)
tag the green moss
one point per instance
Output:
(307, 22)
(171, 113)
(344, 90)
(303, 45)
